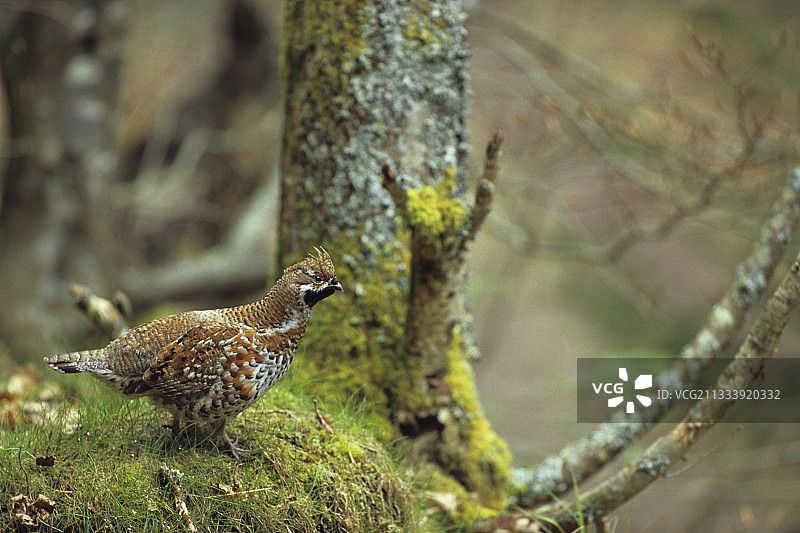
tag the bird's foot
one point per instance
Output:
(175, 426)
(234, 447)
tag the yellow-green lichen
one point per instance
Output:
(488, 463)
(435, 210)
(350, 346)
(469, 507)
(322, 42)
(426, 25)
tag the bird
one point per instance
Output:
(206, 367)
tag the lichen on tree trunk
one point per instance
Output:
(378, 89)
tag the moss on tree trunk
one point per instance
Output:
(367, 83)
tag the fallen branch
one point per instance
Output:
(172, 477)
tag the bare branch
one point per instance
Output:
(651, 165)
(62, 12)
(172, 477)
(485, 191)
(107, 315)
(219, 269)
(760, 345)
(584, 457)
(389, 181)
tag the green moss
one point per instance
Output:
(469, 508)
(435, 210)
(488, 461)
(299, 475)
(348, 353)
(323, 41)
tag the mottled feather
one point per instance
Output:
(208, 366)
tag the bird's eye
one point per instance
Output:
(318, 277)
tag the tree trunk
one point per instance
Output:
(61, 74)
(374, 148)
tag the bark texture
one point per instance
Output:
(373, 169)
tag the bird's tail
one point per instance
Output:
(85, 361)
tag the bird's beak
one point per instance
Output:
(335, 285)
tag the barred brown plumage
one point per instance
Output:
(206, 367)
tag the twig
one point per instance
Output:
(285, 412)
(485, 191)
(172, 476)
(108, 315)
(322, 423)
(389, 180)
(537, 59)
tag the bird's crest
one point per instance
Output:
(322, 261)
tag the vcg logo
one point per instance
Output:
(644, 381)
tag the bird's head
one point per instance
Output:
(314, 277)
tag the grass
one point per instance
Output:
(110, 455)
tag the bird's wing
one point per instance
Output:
(201, 358)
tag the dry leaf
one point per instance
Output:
(30, 515)
(45, 461)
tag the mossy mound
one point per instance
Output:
(104, 461)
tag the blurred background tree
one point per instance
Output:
(141, 153)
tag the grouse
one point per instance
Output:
(206, 367)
